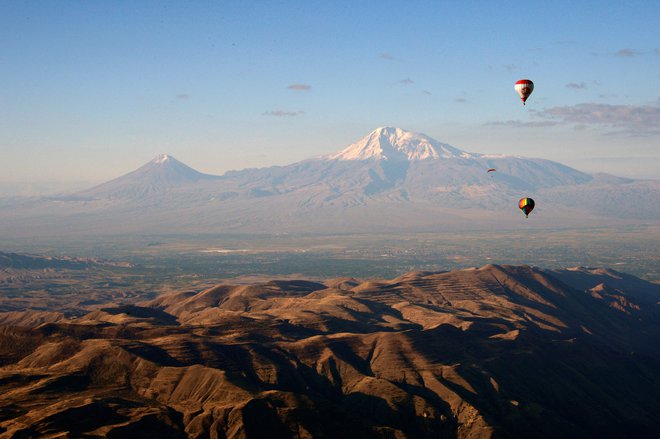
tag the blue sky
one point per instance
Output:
(91, 90)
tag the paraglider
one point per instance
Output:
(492, 170)
(524, 88)
(526, 205)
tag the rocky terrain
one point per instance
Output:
(498, 351)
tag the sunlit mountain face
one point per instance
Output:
(390, 143)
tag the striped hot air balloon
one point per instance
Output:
(526, 205)
(524, 88)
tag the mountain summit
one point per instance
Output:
(390, 143)
(163, 158)
(161, 173)
(166, 170)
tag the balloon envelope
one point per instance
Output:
(524, 88)
(526, 205)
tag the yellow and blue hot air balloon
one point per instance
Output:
(526, 205)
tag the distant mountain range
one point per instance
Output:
(391, 180)
(36, 262)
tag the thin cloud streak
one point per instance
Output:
(627, 53)
(300, 87)
(616, 115)
(520, 124)
(637, 120)
(406, 81)
(283, 113)
(575, 85)
(386, 56)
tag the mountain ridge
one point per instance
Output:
(380, 161)
(370, 186)
(388, 152)
(457, 354)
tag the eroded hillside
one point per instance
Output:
(499, 351)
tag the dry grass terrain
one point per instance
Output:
(499, 351)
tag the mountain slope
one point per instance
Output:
(499, 351)
(162, 173)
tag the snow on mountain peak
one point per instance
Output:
(162, 158)
(391, 143)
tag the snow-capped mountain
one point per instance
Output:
(391, 180)
(162, 173)
(390, 143)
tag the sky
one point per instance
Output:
(90, 90)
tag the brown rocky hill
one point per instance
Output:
(499, 351)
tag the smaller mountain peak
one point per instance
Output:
(162, 158)
(157, 176)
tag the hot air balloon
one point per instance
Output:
(524, 88)
(526, 205)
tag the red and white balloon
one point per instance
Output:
(524, 88)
